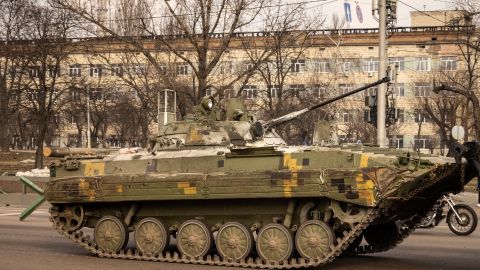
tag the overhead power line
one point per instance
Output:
(223, 11)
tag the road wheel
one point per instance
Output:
(111, 234)
(69, 217)
(234, 241)
(274, 243)
(313, 239)
(151, 236)
(468, 222)
(194, 239)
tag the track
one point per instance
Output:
(335, 251)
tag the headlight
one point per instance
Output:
(210, 104)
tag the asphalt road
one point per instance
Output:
(33, 244)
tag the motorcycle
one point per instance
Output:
(461, 218)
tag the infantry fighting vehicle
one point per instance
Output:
(229, 191)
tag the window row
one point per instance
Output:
(401, 116)
(419, 141)
(419, 89)
(120, 70)
(447, 63)
(344, 65)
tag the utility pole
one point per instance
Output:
(382, 68)
(89, 143)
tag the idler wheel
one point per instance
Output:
(111, 234)
(194, 239)
(234, 241)
(274, 243)
(151, 236)
(313, 239)
(69, 217)
(382, 235)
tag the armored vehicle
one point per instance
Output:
(229, 191)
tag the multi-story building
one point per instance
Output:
(333, 62)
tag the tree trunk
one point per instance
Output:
(39, 150)
(144, 140)
(4, 119)
(4, 134)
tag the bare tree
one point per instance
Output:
(285, 47)
(13, 21)
(465, 82)
(42, 89)
(206, 27)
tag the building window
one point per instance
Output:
(95, 71)
(250, 92)
(366, 116)
(298, 65)
(397, 61)
(455, 22)
(422, 89)
(95, 94)
(346, 117)
(74, 71)
(209, 92)
(182, 69)
(74, 94)
(448, 63)
(420, 117)
(139, 69)
(113, 94)
(322, 66)
(34, 71)
(319, 91)
(71, 118)
(422, 141)
(117, 70)
(400, 115)
(272, 91)
(400, 90)
(346, 66)
(53, 71)
(31, 94)
(229, 93)
(225, 68)
(296, 90)
(162, 68)
(395, 141)
(345, 88)
(250, 66)
(370, 65)
(423, 63)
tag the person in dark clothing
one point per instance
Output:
(478, 190)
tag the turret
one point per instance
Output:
(234, 126)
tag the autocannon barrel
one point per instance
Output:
(63, 151)
(293, 115)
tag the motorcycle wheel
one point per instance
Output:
(468, 223)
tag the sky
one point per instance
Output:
(328, 8)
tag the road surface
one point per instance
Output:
(33, 244)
